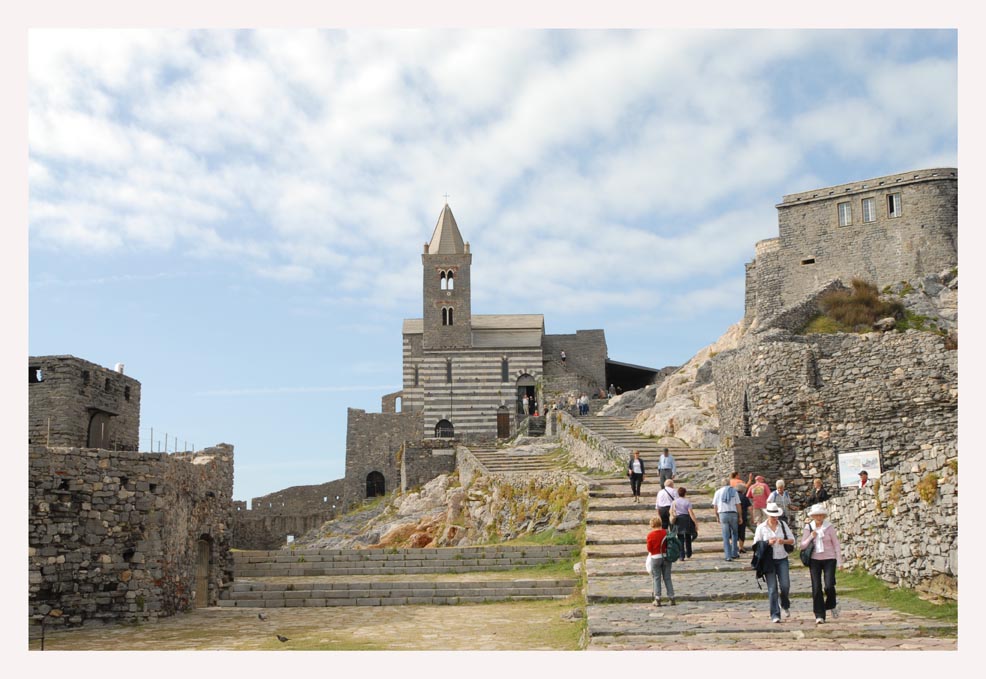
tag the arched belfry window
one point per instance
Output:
(445, 315)
(443, 281)
(444, 430)
(450, 279)
(450, 313)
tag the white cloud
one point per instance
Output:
(577, 157)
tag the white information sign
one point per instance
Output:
(850, 464)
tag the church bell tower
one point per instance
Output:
(446, 287)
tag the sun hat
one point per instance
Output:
(818, 509)
(773, 510)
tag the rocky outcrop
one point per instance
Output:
(444, 513)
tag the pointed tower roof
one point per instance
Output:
(446, 240)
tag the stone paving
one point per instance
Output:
(720, 606)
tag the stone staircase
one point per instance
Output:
(510, 460)
(720, 606)
(351, 577)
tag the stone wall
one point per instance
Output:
(70, 393)
(117, 535)
(293, 511)
(813, 248)
(422, 461)
(585, 363)
(906, 530)
(585, 448)
(373, 441)
(826, 394)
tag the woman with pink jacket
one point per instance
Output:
(826, 557)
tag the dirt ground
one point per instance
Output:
(524, 625)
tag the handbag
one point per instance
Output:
(787, 548)
(807, 552)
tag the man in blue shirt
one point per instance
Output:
(666, 467)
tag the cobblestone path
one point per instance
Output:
(719, 606)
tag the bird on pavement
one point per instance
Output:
(262, 616)
(282, 639)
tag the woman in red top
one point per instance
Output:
(660, 567)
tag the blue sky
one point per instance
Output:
(238, 215)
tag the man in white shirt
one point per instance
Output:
(665, 498)
(726, 504)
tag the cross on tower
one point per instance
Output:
(446, 199)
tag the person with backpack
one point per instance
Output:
(660, 560)
(665, 497)
(685, 522)
(772, 542)
(826, 556)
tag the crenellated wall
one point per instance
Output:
(294, 511)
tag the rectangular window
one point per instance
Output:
(893, 205)
(504, 370)
(448, 370)
(869, 210)
(845, 214)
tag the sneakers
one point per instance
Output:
(775, 619)
(835, 612)
(657, 601)
(818, 621)
(673, 602)
(787, 612)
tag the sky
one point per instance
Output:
(238, 216)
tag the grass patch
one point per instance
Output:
(823, 325)
(575, 538)
(861, 585)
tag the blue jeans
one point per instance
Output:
(780, 577)
(729, 521)
(662, 569)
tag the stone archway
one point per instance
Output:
(444, 430)
(526, 386)
(376, 485)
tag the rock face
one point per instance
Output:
(683, 406)
(935, 297)
(443, 513)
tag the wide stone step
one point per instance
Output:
(691, 586)
(616, 565)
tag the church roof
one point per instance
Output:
(446, 240)
(416, 326)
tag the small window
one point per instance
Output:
(126, 393)
(845, 214)
(106, 385)
(444, 316)
(504, 370)
(417, 375)
(443, 282)
(448, 370)
(85, 377)
(810, 260)
(893, 205)
(450, 316)
(451, 280)
(869, 210)
(34, 375)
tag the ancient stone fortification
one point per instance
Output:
(584, 368)
(121, 535)
(789, 404)
(900, 227)
(272, 518)
(76, 403)
(584, 447)
(373, 442)
(421, 461)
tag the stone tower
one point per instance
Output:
(446, 287)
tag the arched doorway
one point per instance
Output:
(375, 485)
(99, 430)
(503, 422)
(202, 561)
(526, 386)
(444, 430)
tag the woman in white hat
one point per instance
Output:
(778, 537)
(826, 557)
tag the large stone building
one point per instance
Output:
(885, 230)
